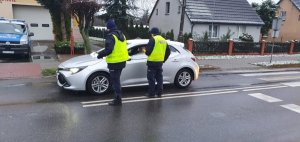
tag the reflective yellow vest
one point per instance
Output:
(119, 53)
(159, 50)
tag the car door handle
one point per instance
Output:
(175, 60)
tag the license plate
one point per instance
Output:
(8, 52)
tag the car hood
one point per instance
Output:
(10, 37)
(80, 61)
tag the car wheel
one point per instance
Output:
(183, 78)
(98, 83)
(28, 55)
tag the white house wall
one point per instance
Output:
(168, 22)
(254, 31)
(200, 29)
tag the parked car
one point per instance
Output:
(89, 73)
(15, 37)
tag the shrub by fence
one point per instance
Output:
(217, 47)
(246, 47)
(297, 47)
(278, 47)
(64, 48)
(210, 47)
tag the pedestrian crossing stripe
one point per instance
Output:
(270, 74)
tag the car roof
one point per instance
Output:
(13, 21)
(145, 41)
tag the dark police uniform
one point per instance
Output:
(116, 56)
(158, 52)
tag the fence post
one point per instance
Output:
(292, 47)
(230, 49)
(262, 48)
(190, 45)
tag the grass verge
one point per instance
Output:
(49, 72)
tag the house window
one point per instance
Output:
(179, 9)
(167, 8)
(156, 11)
(213, 31)
(299, 18)
(240, 31)
(45, 25)
(34, 25)
(283, 15)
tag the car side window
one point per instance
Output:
(174, 51)
(137, 50)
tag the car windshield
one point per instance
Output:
(8, 28)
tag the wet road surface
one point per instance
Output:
(229, 107)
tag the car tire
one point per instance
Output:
(183, 78)
(28, 55)
(98, 83)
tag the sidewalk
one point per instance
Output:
(230, 63)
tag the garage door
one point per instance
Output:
(38, 19)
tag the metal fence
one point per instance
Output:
(210, 47)
(297, 47)
(246, 47)
(278, 47)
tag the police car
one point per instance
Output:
(14, 37)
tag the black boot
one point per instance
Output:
(158, 95)
(115, 102)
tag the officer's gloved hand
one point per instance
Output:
(99, 57)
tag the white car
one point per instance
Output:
(91, 74)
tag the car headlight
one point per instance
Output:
(75, 69)
(24, 40)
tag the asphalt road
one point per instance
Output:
(249, 107)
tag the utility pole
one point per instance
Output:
(180, 36)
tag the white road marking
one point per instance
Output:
(280, 78)
(292, 84)
(275, 87)
(14, 85)
(292, 107)
(163, 98)
(269, 74)
(186, 93)
(265, 97)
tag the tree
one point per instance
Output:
(84, 11)
(145, 17)
(58, 10)
(266, 11)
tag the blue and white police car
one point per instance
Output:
(14, 37)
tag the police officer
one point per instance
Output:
(116, 56)
(158, 52)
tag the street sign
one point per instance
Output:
(276, 25)
(275, 34)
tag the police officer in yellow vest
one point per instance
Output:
(116, 56)
(158, 52)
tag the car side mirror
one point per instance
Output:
(31, 34)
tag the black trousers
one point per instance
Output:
(116, 84)
(154, 75)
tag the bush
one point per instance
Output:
(246, 37)
(63, 47)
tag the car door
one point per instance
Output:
(172, 65)
(135, 72)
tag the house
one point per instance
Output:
(290, 11)
(37, 17)
(216, 17)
